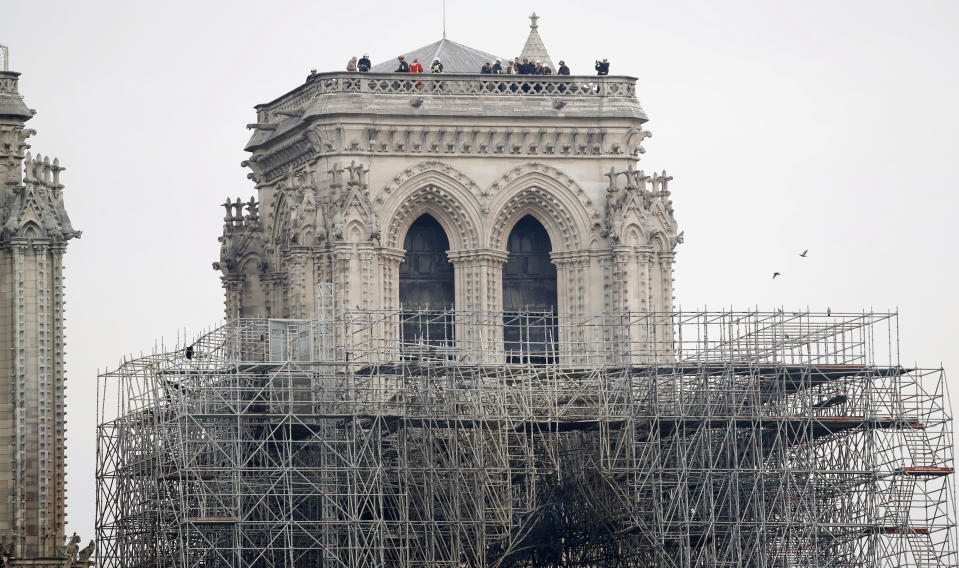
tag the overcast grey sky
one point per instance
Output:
(821, 125)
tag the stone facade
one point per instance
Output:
(344, 164)
(34, 231)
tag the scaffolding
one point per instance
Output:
(423, 439)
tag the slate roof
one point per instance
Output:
(456, 58)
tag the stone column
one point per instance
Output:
(43, 391)
(369, 298)
(478, 300)
(356, 287)
(296, 291)
(665, 330)
(644, 305)
(666, 260)
(58, 338)
(20, 372)
(389, 260)
(233, 284)
(572, 283)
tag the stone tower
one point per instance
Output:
(34, 230)
(459, 191)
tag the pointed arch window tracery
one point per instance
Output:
(426, 291)
(529, 294)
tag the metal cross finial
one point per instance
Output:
(533, 19)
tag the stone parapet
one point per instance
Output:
(11, 103)
(428, 84)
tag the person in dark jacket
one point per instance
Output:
(404, 66)
(487, 69)
(563, 69)
(364, 64)
(602, 67)
(436, 67)
(498, 67)
(312, 75)
(523, 68)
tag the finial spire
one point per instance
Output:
(444, 19)
(534, 48)
(4, 58)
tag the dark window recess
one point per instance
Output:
(529, 294)
(426, 287)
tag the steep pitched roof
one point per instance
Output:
(534, 48)
(456, 58)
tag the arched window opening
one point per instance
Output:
(529, 294)
(426, 287)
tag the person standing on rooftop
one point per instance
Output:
(563, 69)
(602, 67)
(487, 69)
(404, 66)
(436, 67)
(416, 66)
(498, 67)
(351, 66)
(364, 63)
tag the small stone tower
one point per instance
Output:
(34, 230)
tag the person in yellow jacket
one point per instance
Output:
(436, 67)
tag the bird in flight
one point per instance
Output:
(803, 253)
(775, 274)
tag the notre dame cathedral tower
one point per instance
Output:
(34, 231)
(513, 194)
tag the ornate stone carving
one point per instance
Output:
(634, 140)
(431, 166)
(453, 212)
(548, 171)
(638, 206)
(34, 209)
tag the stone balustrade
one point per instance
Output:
(428, 84)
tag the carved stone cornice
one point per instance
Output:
(477, 255)
(573, 256)
(271, 163)
(396, 255)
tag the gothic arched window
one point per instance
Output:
(426, 285)
(529, 293)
